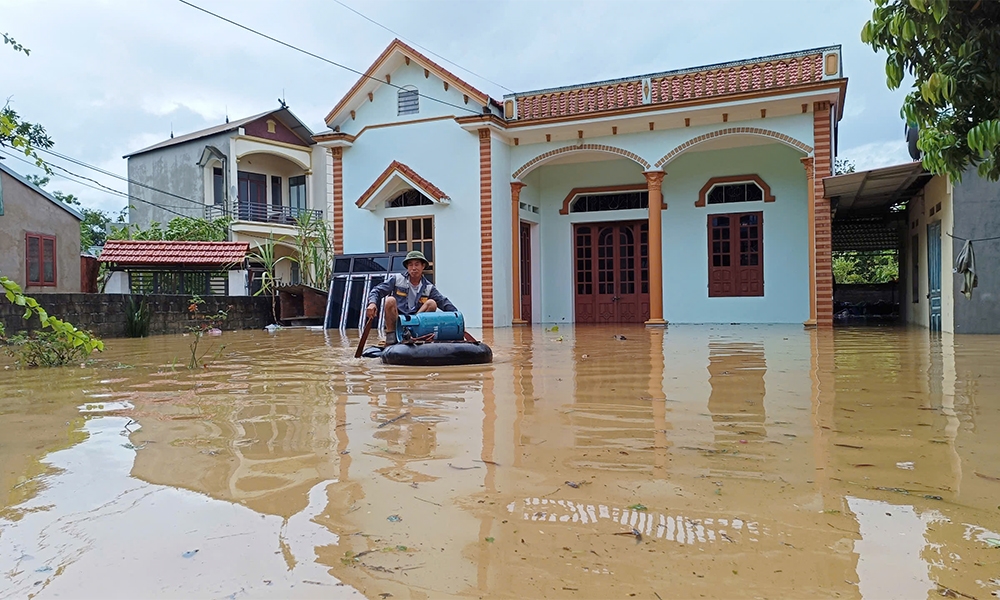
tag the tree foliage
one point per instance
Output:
(17, 133)
(865, 267)
(189, 229)
(952, 49)
(63, 344)
(842, 166)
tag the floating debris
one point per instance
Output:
(394, 518)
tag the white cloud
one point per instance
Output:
(877, 154)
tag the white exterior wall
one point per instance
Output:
(448, 157)
(684, 246)
(503, 268)
(382, 108)
(938, 189)
(117, 283)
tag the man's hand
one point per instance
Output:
(371, 310)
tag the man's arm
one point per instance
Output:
(380, 291)
(442, 302)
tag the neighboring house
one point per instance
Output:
(690, 196)
(929, 234)
(172, 267)
(263, 171)
(39, 237)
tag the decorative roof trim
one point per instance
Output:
(407, 175)
(397, 46)
(714, 82)
(675, 72)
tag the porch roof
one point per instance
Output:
(867, 205)
(130, 253)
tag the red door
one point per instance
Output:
(526, 272)
(611, 273)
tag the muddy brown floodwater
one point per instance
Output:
(734, 461)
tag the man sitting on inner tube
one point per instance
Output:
(408, 294)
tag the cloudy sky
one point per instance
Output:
(108, 77)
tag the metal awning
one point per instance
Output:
(867, 205)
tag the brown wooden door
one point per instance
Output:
(611, 273)
(525, 272)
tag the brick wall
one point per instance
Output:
(824, 258)
(104, 314)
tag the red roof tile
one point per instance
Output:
(769, 73)
(134, 252)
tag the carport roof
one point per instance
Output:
(866, 204)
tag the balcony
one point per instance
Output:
(262, 213)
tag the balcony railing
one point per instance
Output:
(263, 213)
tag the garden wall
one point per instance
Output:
(104, 314)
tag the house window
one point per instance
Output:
(297, 194)
(736, 255)
(618, 201)
(408, 101)
(276, 191)
(40, 259)
(735, 192)
(218, 186)
(404, 235)
(252, 196)
(409, 198)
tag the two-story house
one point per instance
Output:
(263, 171)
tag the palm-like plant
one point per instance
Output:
(268, 281)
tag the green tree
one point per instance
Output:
(93, 227)
(190, 229)
(17, 133)
(952, 50)
(865, 267)
(842, 166)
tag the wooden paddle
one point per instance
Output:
(364, 337)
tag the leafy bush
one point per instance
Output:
(63, 345)
(43, 349)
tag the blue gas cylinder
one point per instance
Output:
(446, 326)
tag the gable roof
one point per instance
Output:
(373, 78)
(200, 254)
(404, 175)
(40, 191)
(287, 118)
(766, 73)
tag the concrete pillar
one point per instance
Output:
(654, 179)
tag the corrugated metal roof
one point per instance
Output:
(145, 253)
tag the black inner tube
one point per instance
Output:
(433, 354)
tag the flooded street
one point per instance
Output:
(698, 461)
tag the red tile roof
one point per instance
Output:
(424, 186)
(205, 254)
(773, 72)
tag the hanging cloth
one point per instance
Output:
(965, 264)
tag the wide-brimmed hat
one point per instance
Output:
(415, 255)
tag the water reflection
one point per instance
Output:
(725, 461)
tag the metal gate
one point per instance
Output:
(934, 274)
